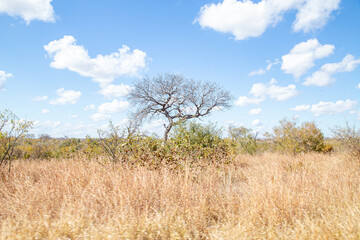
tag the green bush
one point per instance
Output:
(290, 138)
(199, 142)
(12, 131)
(196, 134)
(245, 139)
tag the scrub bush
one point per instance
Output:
(349, 138)
(293, 139)
(245, 139)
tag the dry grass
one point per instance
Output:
(263, 197)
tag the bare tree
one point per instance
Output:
(111, 140)
(116, 137)
(176, 98)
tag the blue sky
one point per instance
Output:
(68, 65)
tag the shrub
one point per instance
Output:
(111, 141)
(200, 142)
(193, 133)
(349, 138)
(246, 140)
(290, 138)
(12, 130)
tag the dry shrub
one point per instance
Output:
(267, 196)
(293, 139)
(349, 139)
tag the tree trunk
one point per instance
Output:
(167, 130)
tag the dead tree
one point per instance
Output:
(176, 98)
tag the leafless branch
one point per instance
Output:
(176, 98)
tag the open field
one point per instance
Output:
(270, 196)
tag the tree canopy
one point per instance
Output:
(176, 98)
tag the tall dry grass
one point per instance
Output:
(270, 196)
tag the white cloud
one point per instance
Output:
(358, 86)
(262, 71)
(299, 108)
(29, 9)
(260, 91)
(74, 116)
(45, 111)
(303, 55)
(40, 98)
(352, 112)
(323, 108)
(274, 91)
(256, 123)
(326, 108)
(115, 91)
(324, 76)
(89, 107)
(66, 97)
(257, 72)
(47, 124)
(3, 77)
(314, 14)
(113, 107)
(97, 117)
(271, 64)
(243, 101)
(255, 111)
(244, 19)
(66, 54)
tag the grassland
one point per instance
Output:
(269, 196)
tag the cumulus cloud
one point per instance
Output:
(303, 55)
(89, 107)
(29, 10)
(115, 91)
(244, 100)
(3, 77)
(274, 91)
(66, 54)
(324, 76)
(255, 111)
(262, 71)
(45, 111)
(261, 91)
(358, 86)
(113, 107)
(314, 14)
(66, 97)
(97, 117)
(324, 108)
(47, 124)
(299, 108)
(244, 19)
(327, 108)
(256, 123)
(40, 98)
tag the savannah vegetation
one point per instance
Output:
(192, 184)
